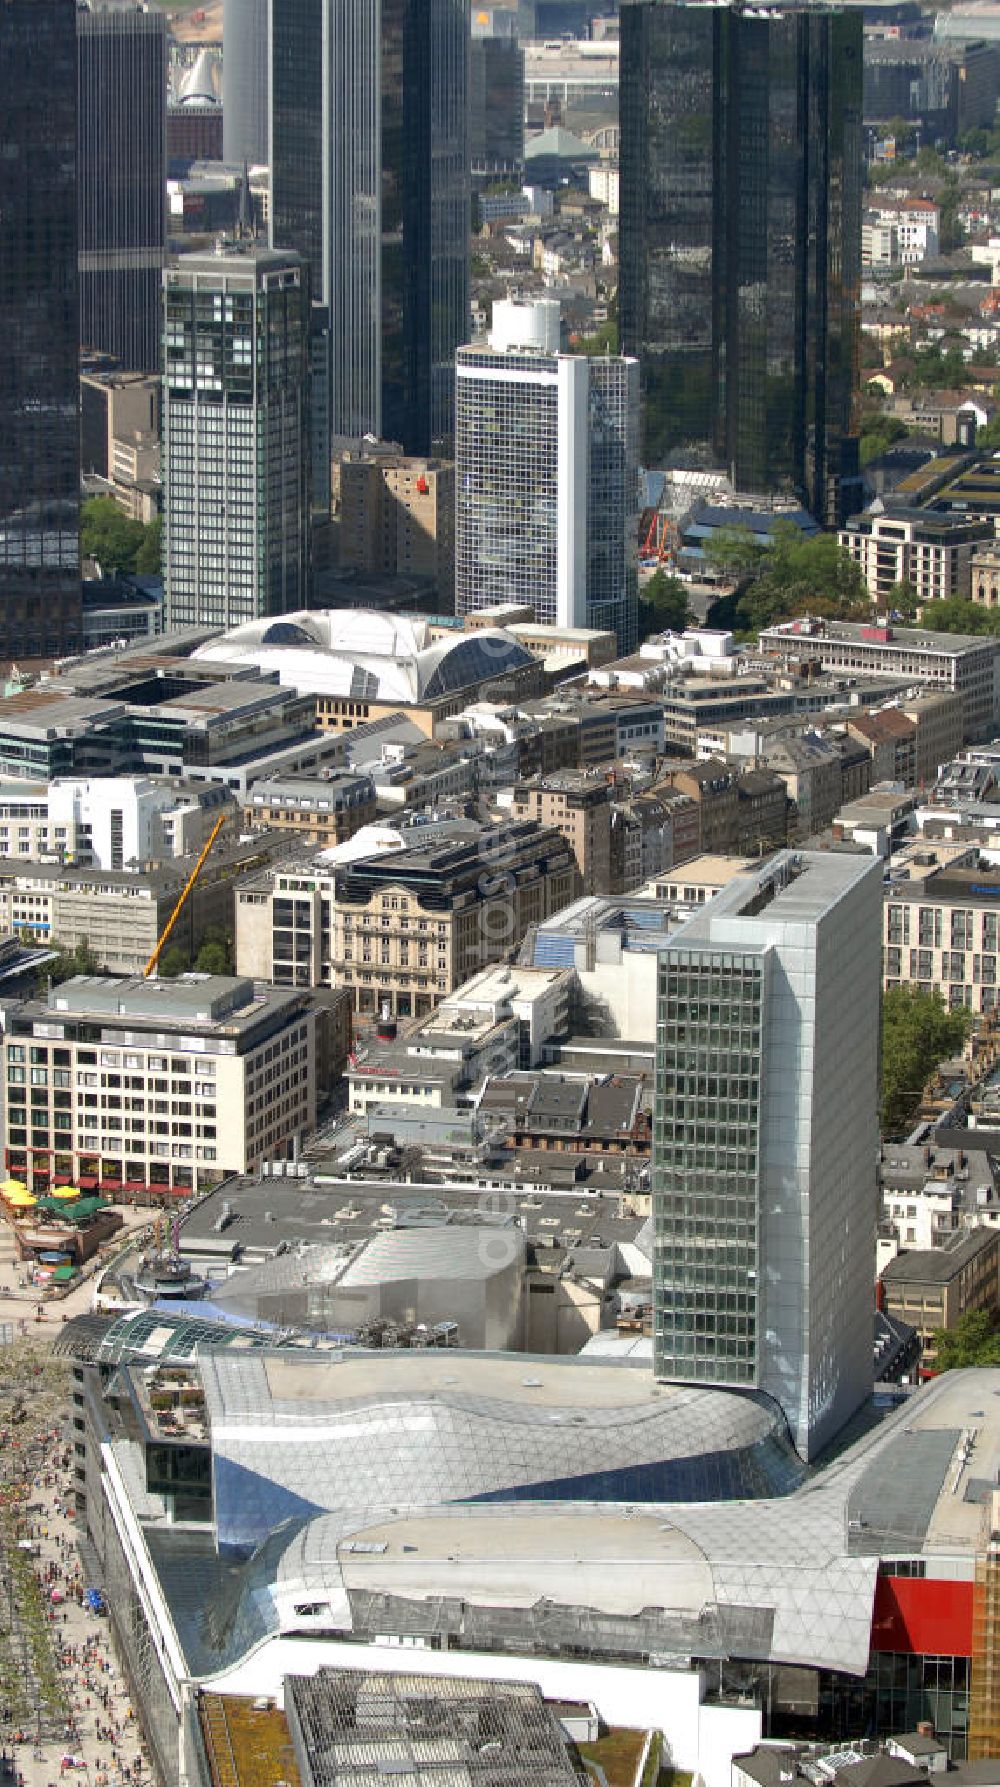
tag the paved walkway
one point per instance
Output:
(102, 1734)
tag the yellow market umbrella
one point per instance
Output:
(11, 1185)
(65, 1191)
(21, 1200)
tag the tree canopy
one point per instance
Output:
(917, 1032)
(974, 1340)
(663, 604)
(797, 574)
(959, 615)
(108, 535)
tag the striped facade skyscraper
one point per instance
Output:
(370, 183)
(121, 182)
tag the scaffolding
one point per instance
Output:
(984, 1694)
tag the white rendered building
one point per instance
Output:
(765, 1140)
(545, 479)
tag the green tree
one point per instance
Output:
(974, 1340)
(903, 599)
(148, 559)
(917, 1032)
(603, 341)
(109, 536)
(878, 432)
(174, 961)
(959, 615)
(736, 552)
(663, 603)
(989, 436)
(215, 952)
(68, 962)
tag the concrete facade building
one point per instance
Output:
(120, 913)
(236, 436)
(546, 454)
(156, 1085)
(324, 810)
(109, 821)
(764, 1203)
(984, 576)
(396, 515)
(934, 1288)
(942, 934)
(932, 552)
(964, 663)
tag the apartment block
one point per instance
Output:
(942, 934)
(714, 787)
(405, 928)
(396, 515)
(135, 1086)
(917, 546)
(578, 804)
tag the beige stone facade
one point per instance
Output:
(156, 1085)
(407, 928)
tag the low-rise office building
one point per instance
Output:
(137, 1086)
(119, 913)
(106, 822)
(964, 663)
(406, 927)
(324, 809)
(933, 1288)
(942, 934)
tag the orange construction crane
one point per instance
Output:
(188, 885)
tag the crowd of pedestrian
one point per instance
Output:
(100, 1738)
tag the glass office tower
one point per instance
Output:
(545, 475)
(740, 240)
(765, 1140)
(235, 436)
(122, 167)
(40, 603)
(370, 184)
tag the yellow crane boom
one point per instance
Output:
(188, 885)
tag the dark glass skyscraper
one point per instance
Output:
(370, 184)
(122, 148)
(40, 606)
(740, 239)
